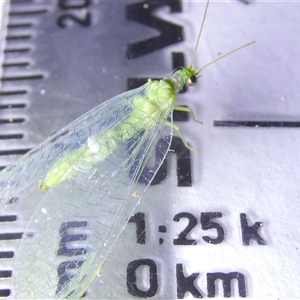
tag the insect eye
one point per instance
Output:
(192, 80)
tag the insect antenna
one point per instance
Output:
(227, 54)
(199, 35)
(219, 58)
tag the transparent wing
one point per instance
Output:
(75, 223)
(22, 178)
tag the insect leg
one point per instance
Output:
(187, 109)
(176, 128)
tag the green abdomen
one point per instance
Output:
(147, 109)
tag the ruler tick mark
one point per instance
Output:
(11, 236)
(18, 25)
(5, 273)
(16, 136)
(27, 12)
(10, 106)
(8, 218)
(14, 152)
(18, 37)
(15, 64)
(23, 77)
(6, 254)
(11, 121)
(16, 50)
(12, 93)
(4, 292)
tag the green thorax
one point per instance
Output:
(180, 77)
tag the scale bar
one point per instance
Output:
(269, 124)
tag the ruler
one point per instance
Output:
(227, 218)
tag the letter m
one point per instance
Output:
(226, 279)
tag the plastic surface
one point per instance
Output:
(243, 185)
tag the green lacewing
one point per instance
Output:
(95, 169)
